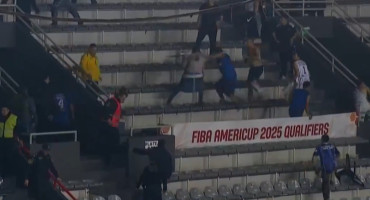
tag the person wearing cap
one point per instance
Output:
(162, 158)
(38, 179)
(109, 130)
(8, 148)
(90, 64)
(151, 182)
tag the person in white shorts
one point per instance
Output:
(300, 71)
(361, 102)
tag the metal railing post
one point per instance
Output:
(303, 5)
(332, 64)
(332, 7)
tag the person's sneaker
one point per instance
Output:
(256, 86)
(283, 77)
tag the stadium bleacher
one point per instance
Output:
(145, 57)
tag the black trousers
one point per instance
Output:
(8, 153)
(57, 4)
(285, 61)
(326, 185)
(109, 141)
(212, 35)
(153, 193)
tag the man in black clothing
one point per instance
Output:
(207, 25)
(162, 158)
(38, 180)
(284, 36)
(151, 181)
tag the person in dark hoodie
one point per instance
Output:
(38, 179)
(151, 181)
(162, 158)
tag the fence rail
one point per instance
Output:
(335, 63)
(8, 81)
(32, 135)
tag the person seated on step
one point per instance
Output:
(362, 104)
(192, 79)
(256, 66)
(300, 101)
(228, 82)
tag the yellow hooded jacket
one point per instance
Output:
(90, 64)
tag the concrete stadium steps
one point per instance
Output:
(121, 36)
(139, 117)
(120, 13)
(154, 74)
(129, 27)
(132, 5)
(257, 154)
(146, 53)
(151, 74)
(341, 192)
(158, 94)
(259, 171)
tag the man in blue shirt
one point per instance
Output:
(227, 84)
(328, 154)
(300, 101)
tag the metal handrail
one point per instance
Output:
(334, 61)
(53, 133)
(59, 53)
(12, 81)
(342, 14)
(354, 21)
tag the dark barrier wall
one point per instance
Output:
(7, 35)
(137, 163)
(66, 157)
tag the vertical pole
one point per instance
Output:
(303, 5)
(273, 8)
(332, 64)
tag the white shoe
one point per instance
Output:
(256, 86)
(283, 78)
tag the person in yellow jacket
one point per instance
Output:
(90, 64)
(8, 147)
